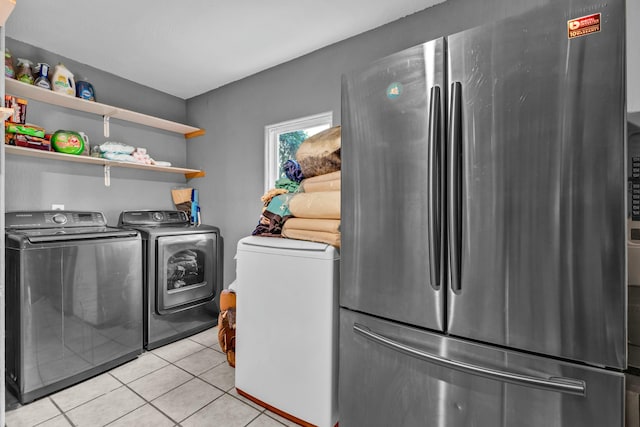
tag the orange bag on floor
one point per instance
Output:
(227, 325)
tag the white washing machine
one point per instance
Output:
(287, 327)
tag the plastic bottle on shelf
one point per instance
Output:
(42, 71)
(25, 73)
(84, 90)
(9, 71)
(62, 81)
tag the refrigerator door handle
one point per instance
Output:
(434, 188)
(455, 184)
(558, 384)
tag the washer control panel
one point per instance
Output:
(53, 219)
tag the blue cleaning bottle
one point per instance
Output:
(194, 206)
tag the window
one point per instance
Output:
(283, 139)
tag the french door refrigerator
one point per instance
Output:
(483, 238)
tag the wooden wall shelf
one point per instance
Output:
(30, 152)
(24, 90)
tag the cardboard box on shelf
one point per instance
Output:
(28, 141)
(19, 106)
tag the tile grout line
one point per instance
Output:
(199, 409)
(145, 400)
(83, 403)
(261, 410)
(136, 379)
(198, 377)
(224, 392)
(278, 421)
(253, 419)
(201, 373)
(193, 376)
(64, 414)
(177, 360)
(59, 409)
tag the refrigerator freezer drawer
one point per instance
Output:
(392, 374)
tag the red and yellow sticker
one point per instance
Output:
(583, 26)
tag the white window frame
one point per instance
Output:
(271, 137)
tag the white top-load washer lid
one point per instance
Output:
(291, 247)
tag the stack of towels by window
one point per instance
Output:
(316, 210)
(306, 204)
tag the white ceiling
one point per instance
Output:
(188, 47)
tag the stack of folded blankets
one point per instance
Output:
(316, 211)
(306, 204)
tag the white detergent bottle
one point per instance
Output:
(62, 81)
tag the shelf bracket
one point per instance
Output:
(199, 174)
(105, 120)
(107, 175)
(195, 133)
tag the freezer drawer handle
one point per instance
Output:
(559, 384)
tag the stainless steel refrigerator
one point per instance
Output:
(483, 226)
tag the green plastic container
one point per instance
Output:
(67, 142)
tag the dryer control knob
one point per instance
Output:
(157, 216)
(59, 219)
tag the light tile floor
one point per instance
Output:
(187, 383)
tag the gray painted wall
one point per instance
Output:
(234, 116)
(232, 152)
(37, 183)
